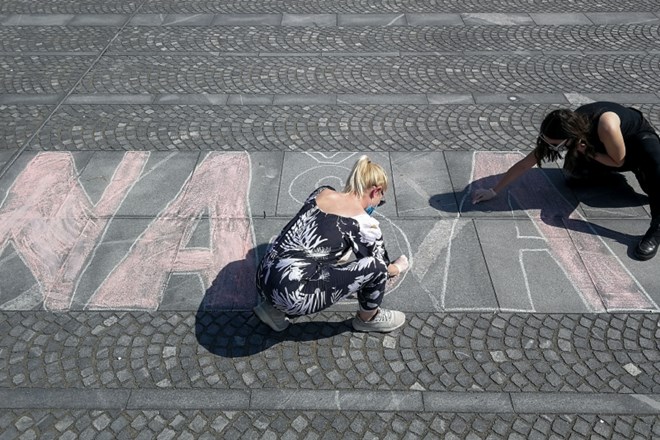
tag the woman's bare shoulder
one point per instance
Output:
(338, 203)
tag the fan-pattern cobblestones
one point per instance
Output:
(448, 352)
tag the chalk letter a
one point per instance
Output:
(219, 186)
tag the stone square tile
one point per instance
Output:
(110, 249)
(422, 185)
(265, 183)
(534, 267)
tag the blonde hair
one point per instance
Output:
(364, 175)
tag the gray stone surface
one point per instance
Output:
(422, 185)
(309, 19)
(248, 19)
(166, 171)
(496, 19)
(630, 18)
(545, 19)
(187, 20)
(491, 403)
(63, 398)
(613, 404)
(366, 75)
(38, 19)
(425, 88)
(189, 399)
(371, 19)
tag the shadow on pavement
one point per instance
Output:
(549, 192)
(226, 326)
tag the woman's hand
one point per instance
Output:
(483, 194)
(398, 266)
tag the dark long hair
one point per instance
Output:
(564, 124)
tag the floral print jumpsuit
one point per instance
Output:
(301, 272)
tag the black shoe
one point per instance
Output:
(648, 246)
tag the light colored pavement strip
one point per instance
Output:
(331, 400)
(345, 20)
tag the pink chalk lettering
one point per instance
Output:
(218, 187)
(52, 224)
(595, 270)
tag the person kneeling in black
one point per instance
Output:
(598, 138)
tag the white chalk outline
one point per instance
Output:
(581, 218)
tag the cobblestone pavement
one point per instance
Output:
(368, 75)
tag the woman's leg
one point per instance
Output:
(366, 277)
(648, 175)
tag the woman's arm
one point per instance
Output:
(609, 133)
(513, 173)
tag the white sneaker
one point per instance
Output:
(272, 317)
(383, 321)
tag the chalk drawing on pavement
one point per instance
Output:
(50, 221)
(599, 277)
(51, 232)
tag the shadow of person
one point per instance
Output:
(226, 326)
(546, 191)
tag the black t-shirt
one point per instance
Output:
(632, 121)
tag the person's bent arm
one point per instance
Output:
(609, 133)
(513, 173)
